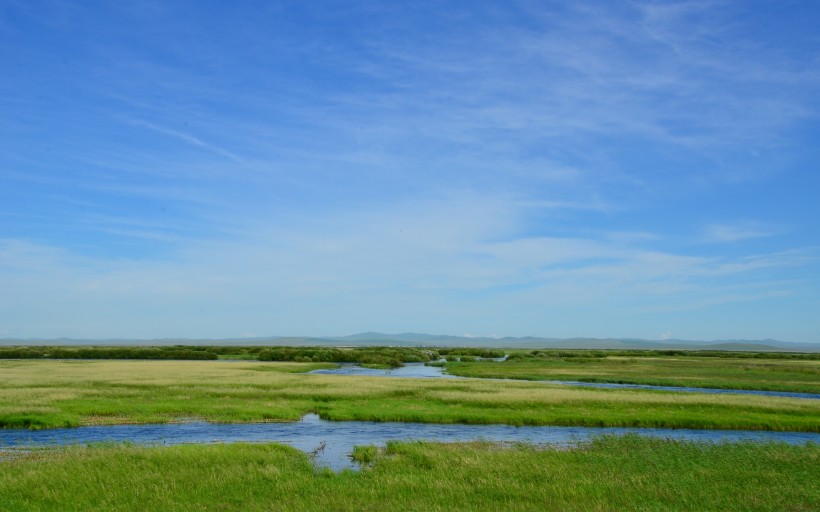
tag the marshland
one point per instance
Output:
(48, 388)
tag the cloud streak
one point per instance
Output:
(190, 139)
(732, 232)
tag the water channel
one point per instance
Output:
(339, 437)
(419, 370)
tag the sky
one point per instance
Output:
(210, 169)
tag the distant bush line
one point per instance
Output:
(371, 356)
(374, 356)
(392, 357)
(172, 353)
(474, 352)
(598, 354)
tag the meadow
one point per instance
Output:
(54, 393)
(610, 473)
(796, 372)
(729, 371)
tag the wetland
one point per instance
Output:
(83, 434)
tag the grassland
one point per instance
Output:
(50, 393)
(609, 474)
(798, 372)
(681, 370)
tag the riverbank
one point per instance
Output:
(788, 375)
(436, 371)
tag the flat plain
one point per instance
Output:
(55, 393)
(609, 473)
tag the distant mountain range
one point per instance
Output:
(436, 340)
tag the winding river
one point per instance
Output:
(330, 442)
(339, 437)
(419, 370)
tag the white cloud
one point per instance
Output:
(719, 233)
(409, 265)
(298, 197)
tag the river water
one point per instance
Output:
(409, 370)
(419, 370)
(339, 437)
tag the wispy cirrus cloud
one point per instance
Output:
(407, 261)
(658, 72)
(529, 164)
(187, 137)
(720, 233)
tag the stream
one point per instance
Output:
(329, 442)
(419, 370)
(337, 438)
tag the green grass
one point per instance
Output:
(623, 474)
(47, 393)
(711, 372)
(237, 357)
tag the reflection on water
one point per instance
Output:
(418, 370)
(409, 370)
(714, 391)
(340, 437)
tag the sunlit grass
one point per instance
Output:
(45, 393)
(609, 474)
(710, 372)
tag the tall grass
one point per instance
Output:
(42, 394)
(610, 474)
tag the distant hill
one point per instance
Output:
(420, 339)
(369, 338)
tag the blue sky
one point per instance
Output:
(605, 169)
